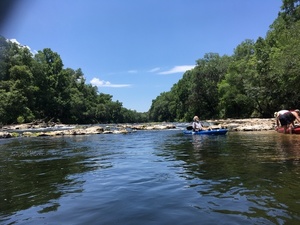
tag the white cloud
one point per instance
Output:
(154, 70)
(132, 71)
(178, 69)
(14, 41)
(23, 46)
(102, 83)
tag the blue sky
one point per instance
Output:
(137, 49)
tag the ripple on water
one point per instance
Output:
(155, 177)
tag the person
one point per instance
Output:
(287, 119)
(197, 126)
(277, 114)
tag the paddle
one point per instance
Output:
(211, 128)
(189, 128)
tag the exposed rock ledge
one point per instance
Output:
(27, 130)
(231, 124)
(254, 124)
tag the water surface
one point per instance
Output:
(151, 177)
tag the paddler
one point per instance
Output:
(197, 126)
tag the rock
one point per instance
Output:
(44, 134)
(253, 124)
(5, 135)
(94, 130)
(29, 134)
(139, 127)
(122, 131)
(107, 132)
(162, 126)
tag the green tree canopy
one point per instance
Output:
(38, 87)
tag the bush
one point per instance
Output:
(20, 119)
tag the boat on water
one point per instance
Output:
(207, 132)
(295, 130)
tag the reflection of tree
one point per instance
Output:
(37, 171)
(288, 148)
(251, 173)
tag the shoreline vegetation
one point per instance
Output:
(43, 129)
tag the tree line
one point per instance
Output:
(37, 87)
(260, 77)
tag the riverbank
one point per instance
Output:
(252, 124)
(36, 130)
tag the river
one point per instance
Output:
(151, 177)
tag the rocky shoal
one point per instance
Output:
(29, 130)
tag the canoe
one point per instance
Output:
(207, 132)
(296, 130)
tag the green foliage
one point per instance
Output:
(258, 79)
(38, 87)
(237, 94)
(162, 108)
(206, 75)
(20, 119)
(195, 94)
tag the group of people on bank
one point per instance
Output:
(286, 119)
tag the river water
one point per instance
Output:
(151, 177)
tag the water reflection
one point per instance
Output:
(287, 148)
(251, 175)
(199, 141)
(155, 177)
(38, 171)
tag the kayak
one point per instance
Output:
(296, 130)
(207, 132)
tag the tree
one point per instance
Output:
(160, 108)
(38, 87)
(290, 11)
(235, 100)
(46, 70)
(286, 67)
(206, 75)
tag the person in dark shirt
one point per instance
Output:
(287, 119)
(277, 114)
